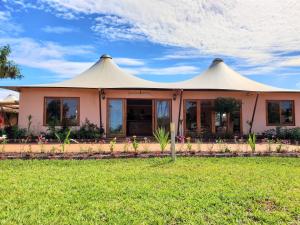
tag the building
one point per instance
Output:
(9, 109)
(126, 105)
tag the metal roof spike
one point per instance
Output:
(105, 56)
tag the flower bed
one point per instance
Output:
(126, 150)
(108, 155)
(149, 147)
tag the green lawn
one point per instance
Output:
(151, 191)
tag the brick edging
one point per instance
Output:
(119, 155)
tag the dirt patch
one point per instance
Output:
(268, 205)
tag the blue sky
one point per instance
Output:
(162, 40)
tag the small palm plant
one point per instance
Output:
(65, 141)
(252, 141)
(112, 144)
(135, 144)
(162, 137)
(3, 140)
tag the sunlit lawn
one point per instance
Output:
(151, 191)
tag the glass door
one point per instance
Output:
(163, 114)
(116, 117)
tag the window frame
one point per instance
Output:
(280, 123)
(213, 113)
(198, 119)
(61, 110)
(124, 100)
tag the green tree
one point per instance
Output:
(8, 69)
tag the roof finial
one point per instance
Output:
(105, 56)
(215, 62)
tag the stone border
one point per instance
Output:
(119, 155)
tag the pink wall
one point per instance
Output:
(32, 102)
(248, 102)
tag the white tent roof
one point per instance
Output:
(11, 98)
(9, 104)
(106, 74)
(219, 76)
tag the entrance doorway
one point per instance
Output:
(139, 117)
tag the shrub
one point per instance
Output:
(199, 143)
(14, 132)
(188, 144)
(295, 134)
(282, 133)
(145, 144)
(127, 145)
(88, 130)
(279, 145)
(252, 141)
(3, 141)
(135, 144)
(220, 144)
(162, 137)
(64, 141)
(112, 144)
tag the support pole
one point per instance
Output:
(100, 112)
(253, 113)
(179, 112)
(173, 150)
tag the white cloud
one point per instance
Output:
(54, 57)
(293, 62)
(255, 32)
(58, 29)
(4, 15)
(48, 55)
(116, 28)
(7, 25)
(129, 61)
(250, 30)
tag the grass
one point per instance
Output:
(151, 191)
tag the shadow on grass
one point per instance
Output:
(162, 162)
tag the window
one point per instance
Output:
(163, 114)
(280, 113)
(62, 111)
(115, 116)
(191, 116)
(200, 118)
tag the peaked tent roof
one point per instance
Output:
(106, 74)
(10, 98)
(219, 76)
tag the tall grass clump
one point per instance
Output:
(252, 141)
(64, 140)
(162, 137)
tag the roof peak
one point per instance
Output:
(105, 56)
(215, 62)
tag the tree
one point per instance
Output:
(226, 105)
(8, 69)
